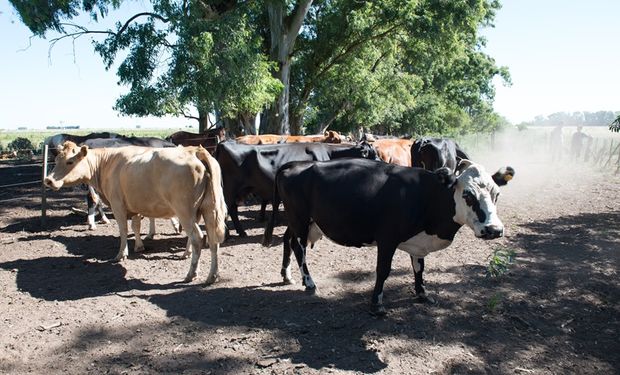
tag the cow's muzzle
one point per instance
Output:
(51, 183)
(490, 232)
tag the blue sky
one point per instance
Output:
(562, 55)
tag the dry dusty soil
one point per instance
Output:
(64, 308)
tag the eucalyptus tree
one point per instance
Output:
(188, 58)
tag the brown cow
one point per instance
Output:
(394, 150)
(154, 182)
(209, 139)
(261, 139)
(329, 136)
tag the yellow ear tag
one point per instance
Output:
(507, 177)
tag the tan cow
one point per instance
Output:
(394, 150)
(154, 182)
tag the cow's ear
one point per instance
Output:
(463, 165)
(446, 177)
(504, 175)
(83, 150)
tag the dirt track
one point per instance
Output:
(64, 308)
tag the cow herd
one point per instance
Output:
(412, 195)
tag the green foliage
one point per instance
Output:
(615, 125)
(21, 143)
(494, 303)
(500, 261)
(397, 66)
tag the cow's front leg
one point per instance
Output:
(104, 218)
(263, 210)
(384, 266)
(151, 234)
(300, 255)
(286, 258)
(121, 220)
(136, 221)
(418, 270)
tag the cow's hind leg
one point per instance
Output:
(384, 266)
(300, 255)
(286, 258)
(214, 247)
(136, 221)
(194, 235)
(151, 234)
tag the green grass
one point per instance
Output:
(500, 262)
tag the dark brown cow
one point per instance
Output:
(208, 140)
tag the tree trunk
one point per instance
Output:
(203, 121)
(284, 30)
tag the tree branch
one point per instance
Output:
(298, 16)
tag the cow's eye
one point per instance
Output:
(469, 198)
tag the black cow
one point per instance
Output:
(252, 168)
(434, 153)
(55, 141)
(359, 202)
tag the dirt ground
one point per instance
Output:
(65, 308)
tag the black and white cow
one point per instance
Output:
(252, 168)
(357, 202)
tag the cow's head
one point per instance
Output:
(332, 136)
(71, 167)
(475, 197)
(367, 150)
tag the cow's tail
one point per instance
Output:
(213, 206)
(275, 203)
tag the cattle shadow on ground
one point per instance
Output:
(75, 278)
(329, 334)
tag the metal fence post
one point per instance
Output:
(43, 190)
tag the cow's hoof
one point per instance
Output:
(211, 280)
(149, 236)
(243, 234)
(186, 254)
(287, 281)
(105, 221)
(118, 259)
(139, 249)
(189, 277)
(377, 309)
(311, 290)
(92, 227)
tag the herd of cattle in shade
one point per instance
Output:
(412, 195)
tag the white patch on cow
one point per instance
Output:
(314, 234)
(288, 277)
(423, 244)
(476, 180)
(415, 262)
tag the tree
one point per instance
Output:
(390, 64)
(615, 125)
(183, 57)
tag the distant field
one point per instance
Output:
(36, 137)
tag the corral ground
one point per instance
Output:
(65, 308)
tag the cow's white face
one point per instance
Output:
(475, 196)
(71, 167)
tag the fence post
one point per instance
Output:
(43, 190)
